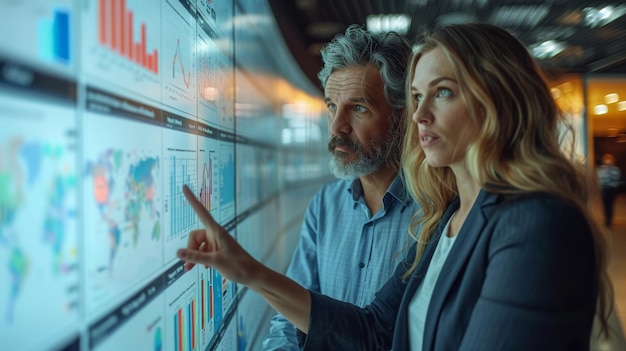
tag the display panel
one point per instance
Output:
(41, 33)
(109, 107)
(38, 219)
(123, 196)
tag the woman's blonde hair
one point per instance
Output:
(518, 148)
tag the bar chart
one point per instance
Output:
(184, 322)
(182, 217)
(227, 182)
(121, 46)
(54, 36)
(116, 26)
(206, 187)
(181, 300)
(207, 309)
(39, 32)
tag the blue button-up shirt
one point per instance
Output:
(344, 251)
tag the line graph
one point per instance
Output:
(181, 171)
(206, 190)
(186, 78)
(179, 43)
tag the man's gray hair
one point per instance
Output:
(389, 52)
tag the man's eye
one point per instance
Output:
(331, 107)
(359, 108)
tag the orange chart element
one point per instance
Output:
(116, 32)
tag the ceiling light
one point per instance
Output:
(513, 16)
(389, 23)
(611, 98)
(600, 109)
(547, 49)
(621, 106)
(456, 18)
(594, 17)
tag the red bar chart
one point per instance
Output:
(116, 31)
(184, 327)
(206, 189)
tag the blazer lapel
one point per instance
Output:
(460, 252)
(401, 336)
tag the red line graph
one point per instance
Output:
(206, 190)
(186, 78)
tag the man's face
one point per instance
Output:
(359, 122)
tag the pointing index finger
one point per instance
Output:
(202, 213)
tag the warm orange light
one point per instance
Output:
(600, 109)
(611, 98)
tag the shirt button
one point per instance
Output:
(361, 265)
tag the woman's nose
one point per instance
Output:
(422, 115)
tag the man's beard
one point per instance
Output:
(366, 162)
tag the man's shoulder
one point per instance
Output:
(334, 187)
(332, 195)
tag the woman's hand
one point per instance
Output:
(215, 247)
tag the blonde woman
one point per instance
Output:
(509, 257)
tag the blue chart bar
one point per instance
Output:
(61, 35)
(189, 336)
(182, 216)
(217, 298)
(53, 37)
(176, 348)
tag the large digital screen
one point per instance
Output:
(109, 107)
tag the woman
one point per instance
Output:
(509, 257)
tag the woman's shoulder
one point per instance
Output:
(535, 213)
(540, 229)
(535, 200)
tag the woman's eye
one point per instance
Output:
(444, 92)
(417, 99)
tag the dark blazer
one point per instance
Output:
(522, 275)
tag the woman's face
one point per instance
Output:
(445, 127)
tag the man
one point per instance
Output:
(609, 176)
(355, 228)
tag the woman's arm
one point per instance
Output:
(332, 325)
(215, 247)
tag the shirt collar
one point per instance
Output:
(396, 189)
(356, 190)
